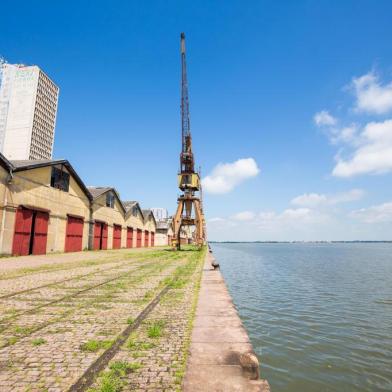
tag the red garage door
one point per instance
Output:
(31, 232)
(22, 235)
(116, 236)
(40, 232)
(74, 234)
(129, 237)
(146, 235)
(139, 238)
(100, 235)
(152, 238)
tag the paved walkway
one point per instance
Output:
(126, 314)
(221, 355)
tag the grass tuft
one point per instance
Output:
(38, 341)
(155, 330)
(110, 381)
(95, 345)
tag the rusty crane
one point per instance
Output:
(189, 209)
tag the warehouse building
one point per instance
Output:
(45, 207)
(164, 232)
(108, 218)
(134, 221)
(150, 226)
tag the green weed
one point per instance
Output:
(38, 341)
(130, 320)
(95, 345)
(155, 330)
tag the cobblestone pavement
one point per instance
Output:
(50, 335)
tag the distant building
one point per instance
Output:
(164, 232)
(28, 108)
(160, 214)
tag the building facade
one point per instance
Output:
(45, 207)
(134, 221)
(28, 109)
(164, 232)
(150, 226)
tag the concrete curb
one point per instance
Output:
(221, 356)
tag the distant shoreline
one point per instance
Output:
(300, 242)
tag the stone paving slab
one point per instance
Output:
(213, 354)
(51, 357)
(221, 378)
(230, 333)
(212, 321)
(160, 360)
(221, 356)
(13, 263)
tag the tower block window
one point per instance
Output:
(59, 179)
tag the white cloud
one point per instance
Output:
(216, 219)
(295, 213)
(345, 197)
(365, 149)
(267, 215)
(314, 200)
(346, 134)
(374, 214)
(295, 216)
(226, 176)
(371, 96)
(244, 216)
(373, 154)
(309, 200)
(309, 224)
(323, 118)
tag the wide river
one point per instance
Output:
(319, 315)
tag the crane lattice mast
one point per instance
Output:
(188, 179)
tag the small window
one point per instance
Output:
(59, 179)
(110, 200)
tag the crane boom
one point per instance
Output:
(186, 158)
(186, 126)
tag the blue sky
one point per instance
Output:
(259, 73)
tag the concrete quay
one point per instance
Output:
(221, 356)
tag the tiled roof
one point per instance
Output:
(129, 204)
(97, 191)
(35, 163)
(22, 165)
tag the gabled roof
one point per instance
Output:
(147, 214)
(5, 163)
(23, 165)
(33, 164)
(129, 204)
(98, 191)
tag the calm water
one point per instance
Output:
(319, 315)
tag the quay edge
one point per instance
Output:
(221, 356)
